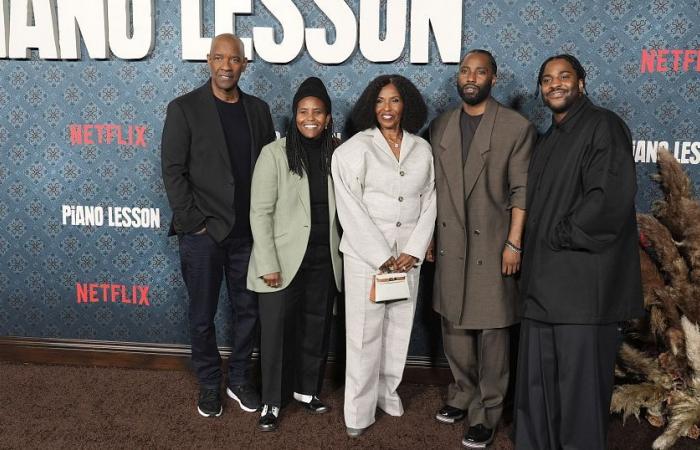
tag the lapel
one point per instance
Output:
(451, 161)
(211, 116)
(247, 107)
(379, 142)
(331, 201)
(481, 144)
(302, 184)
(407, 144)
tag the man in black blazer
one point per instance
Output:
(211, 139)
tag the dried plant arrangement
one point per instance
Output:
(658, 367)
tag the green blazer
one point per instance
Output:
(280, 218)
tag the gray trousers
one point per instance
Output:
(479, 363)
(377, 338)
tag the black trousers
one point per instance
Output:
(564, 385)
(295, 325)
(204, 264)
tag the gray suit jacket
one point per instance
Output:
(473, 214)
(280, 217)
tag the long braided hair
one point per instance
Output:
(296, 154)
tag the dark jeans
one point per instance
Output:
(204, 264)
(295, 326)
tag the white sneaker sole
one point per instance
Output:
(472, 445)
(203, 414)
(230, 393)
(467, 444)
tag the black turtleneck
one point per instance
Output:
(318, 192)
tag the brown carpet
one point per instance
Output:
(84, 407)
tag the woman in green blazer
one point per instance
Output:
(295, 265)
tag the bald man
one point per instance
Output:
(211, 139)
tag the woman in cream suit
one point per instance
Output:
(295, 265)
(384, 185)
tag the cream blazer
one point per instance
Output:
(385, 206)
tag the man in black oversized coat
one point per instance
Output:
(580, 271)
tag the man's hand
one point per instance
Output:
(510, 262)
(273, 279)
(430, 253)
(405, 262)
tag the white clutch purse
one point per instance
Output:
(389, 287)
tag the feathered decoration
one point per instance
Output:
(658, 370)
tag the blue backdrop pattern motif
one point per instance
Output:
(42, 260)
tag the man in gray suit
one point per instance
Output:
(211, 139)
(481, 153)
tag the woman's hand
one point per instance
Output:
(273, 279)
(388, 266)
(405, 262)
(430, 252)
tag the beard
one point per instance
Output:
(481, 93)
(563, 104)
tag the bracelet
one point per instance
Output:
(512, 247)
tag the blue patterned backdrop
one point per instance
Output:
(42, 259)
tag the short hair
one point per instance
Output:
(492, 60)
(415, 112)
(575, 63)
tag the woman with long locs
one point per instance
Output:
(295, 265)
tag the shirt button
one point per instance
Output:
(400, 199)
(402, 173)
(477, 232)
(398, 224)
(479, 262)
(444, 224)
(442, 252)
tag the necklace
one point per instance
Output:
(394, 143)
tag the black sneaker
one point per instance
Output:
(449, 414)
(209, 403)
(246, 396)
(478, 437)
(268, 418)
(314, 405)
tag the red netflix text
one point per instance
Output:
(107, 133)
(112, 293)
(670, 60)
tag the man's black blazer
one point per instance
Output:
(195, 161)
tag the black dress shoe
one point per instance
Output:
(268, 418)
(478, 436)
(449, 414)
(315, 406)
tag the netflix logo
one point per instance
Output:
(670, 60)
(107, 134)
(133, 294)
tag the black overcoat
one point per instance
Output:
(580, 259)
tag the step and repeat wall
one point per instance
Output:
(84, 87)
